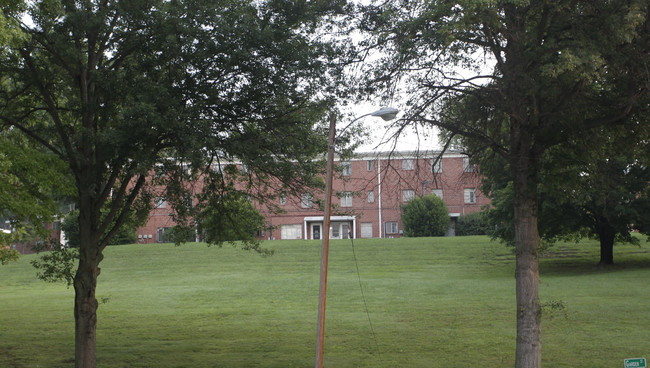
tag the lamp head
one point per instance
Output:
(386, 113)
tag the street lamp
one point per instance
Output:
(386, 113)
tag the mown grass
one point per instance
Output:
(433, 302)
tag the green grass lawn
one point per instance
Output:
(433, 302)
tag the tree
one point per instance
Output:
(125, 234)
(608, 186)
(216, 228)
(425, 216)
(120, 89)
(561, 69)
(593, 186)
(32, 184)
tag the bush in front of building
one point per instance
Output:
(425, 216)
(472, 224)
(70, 227)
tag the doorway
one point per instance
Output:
(316, 231)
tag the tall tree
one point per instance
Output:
(561, 69)
(117, 89)
(593, 186)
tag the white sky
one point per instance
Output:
(382, 137)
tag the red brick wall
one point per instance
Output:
(389, 178)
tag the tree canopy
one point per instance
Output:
(595, 186)
(529, 75)
(119, 90)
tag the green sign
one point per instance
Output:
(635, 363)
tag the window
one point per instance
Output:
(160, 172)
(307, 200)
(467, 166)
(335, 231)
(291, 231)
(283, 199)
(371, 196)
(346, 199)
(470, 195)
(243, 168)
(370, 165)
(407, 195)
(436, 165)
(345, 231)
(346, 168)
(408, 164)
(437, 193)
(188, 201)
(391, 228)
(366, 229)
(162, 235)
(161, 202)
(187, 169)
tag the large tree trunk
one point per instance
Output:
(606, 237)
(527, 241)
(85, 283)
(85, 313)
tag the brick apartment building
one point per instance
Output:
(367, 193)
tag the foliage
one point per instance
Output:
(425, 216)
(116, 89)
(7, 254)
(57, 265)
(557, 71)
(32, 182)
(593, 187)
(124, 235)
(472, 224)
(218, 221)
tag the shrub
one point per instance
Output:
(425, 216)
(70, 227)
(472, 224)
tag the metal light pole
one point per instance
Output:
(386, 113)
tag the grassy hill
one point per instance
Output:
(432, 302)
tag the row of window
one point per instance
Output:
(307, 199)
(407, 165)
(339, 230)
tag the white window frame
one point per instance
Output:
(436, 165)
(438, 193)
(160, 234)
(283, 199)
(346, 199)
(469, 195)
(408, 164)
(346, 168)
(160, 202)
(307, 200)
(468, 166)
(370, 165)
(371, 196)
(390, 227)
(407, 195)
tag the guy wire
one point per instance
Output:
(365, 303)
